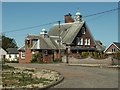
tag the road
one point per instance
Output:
(80, 77)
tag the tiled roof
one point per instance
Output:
(99, 46)
(12, 51)
(73, 31)
(22, 48)
(117, 44)
(68, 31)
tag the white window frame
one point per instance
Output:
(83, 30)
(23, 55)
(88, 42)
(79, 41)
(113, 49)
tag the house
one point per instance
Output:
(12, 54)
(3, 53)
(113, 48)
(99, 46)
(73, 36)
(39, 43)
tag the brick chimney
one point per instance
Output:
(68, 18)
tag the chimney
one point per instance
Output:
(68, 18)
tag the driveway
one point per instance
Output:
(80, 77)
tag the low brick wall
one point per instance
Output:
(89, 60)
(115, 61)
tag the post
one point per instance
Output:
(59, 41)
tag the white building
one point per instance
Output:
(12, 54)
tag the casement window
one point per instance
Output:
(83, 30)
(113, 50)
(79, 41)
(87, 41)
(23, 55)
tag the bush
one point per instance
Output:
(37, 57)
(117, 55)
(58, 60)
(84, 54)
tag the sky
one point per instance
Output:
(17, 15)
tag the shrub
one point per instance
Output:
(58, 60)
(84, 54)
(37, 57)
(117, 55)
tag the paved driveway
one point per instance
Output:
(81, 77)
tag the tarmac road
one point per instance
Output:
(80, 77)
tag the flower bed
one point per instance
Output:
(27, 78)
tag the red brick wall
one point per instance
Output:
(110, 49)
(20, 59)
(84, 36)
(47, 58)
(68, 19)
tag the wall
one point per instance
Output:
(109, 50)
(13, 57)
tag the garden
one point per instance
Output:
(27, 77)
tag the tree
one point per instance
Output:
(8, 42)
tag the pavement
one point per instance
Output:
(77, 76)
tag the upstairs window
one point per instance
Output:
(87, 41)
(83, 30)
(113, 50)
(79, 41)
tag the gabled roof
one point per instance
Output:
(12, 51)
(2, 51)
(54, 31)
(99, 46)
(73, 31)
(116, 44)
(22, 48)
(68, 31)
(46, 43)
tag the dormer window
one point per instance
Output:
(83, 30)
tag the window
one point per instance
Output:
(9, 56)
(79, 41)
(83, 30)
(87, 41)
(45, 52)
(22, 55)
(113, 50)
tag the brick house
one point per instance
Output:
(113, 48)
(74, 35)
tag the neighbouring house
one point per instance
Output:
(3, 53)
(113, 48)
(99, 46)
(73, 36)
(12, 54)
